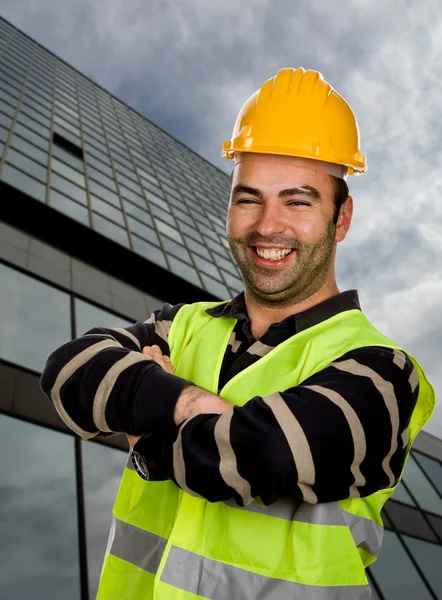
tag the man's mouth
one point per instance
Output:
(270, 255)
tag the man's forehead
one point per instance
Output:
(273, 160)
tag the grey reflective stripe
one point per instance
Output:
(366, 533)
(136, 546)
(218, 581)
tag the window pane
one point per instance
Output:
(68, 172)
(68, 188)
(24, 183)
(429, 559)
(39, 549)
(139, 213)
(149, 251)
(217, 289)
(31, 310)
(88, 316)
(421, 489)
(27, 165)
(118, 234)
(395, 573)
(169, 231)
(102, 471)
(29, 149)
(401, 495)
(107, 210)
(69, 207)
(433, 469)
(184, 271)
(143, 230)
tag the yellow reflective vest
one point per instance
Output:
(169, 545)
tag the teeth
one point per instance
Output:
(273, 254)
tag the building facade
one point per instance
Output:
(91, 196)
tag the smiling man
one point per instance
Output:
(268, 430)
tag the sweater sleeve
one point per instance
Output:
(101, 382)
(342, 433)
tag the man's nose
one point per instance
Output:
(271, 221)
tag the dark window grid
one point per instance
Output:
(12, 76)
(396, 520)
(8, 100)
(99, 155)
(127, 172)
(425, 473)
(41, 76)
(107, 180)
(36, 115)
(33, 125)
(5, 120)
(29, 150)
(139, 213)
(36, 104)
(416, 565)
(11, 63)
(10, 92)
(129, 183)
(66, 124)
(27, 164)
(107, 210)
(71, 119)
(98, 144)
(65, 110)
(89, 111)
(178, 213)
(374, 584)
(8, 110)
(38, 87)
(122, 207)
(122, 160)
(90, 130)
(17, 128)
(68, 100)
(148, 212)
(68, 157)
(68, 135)
(44, 92)
(65, 85)
(424, 511)
(99, 166)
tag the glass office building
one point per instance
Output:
(103, 217)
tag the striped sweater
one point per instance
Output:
(102, 383)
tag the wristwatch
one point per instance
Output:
(147, 457)
(138, 457)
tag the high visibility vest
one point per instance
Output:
(169, 545)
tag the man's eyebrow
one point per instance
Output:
(245, 189)
(304, 190)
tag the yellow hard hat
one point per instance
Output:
(297, 113)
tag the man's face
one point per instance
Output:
(280, 228)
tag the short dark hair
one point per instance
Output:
(341, 192)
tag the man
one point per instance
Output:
(269, 430)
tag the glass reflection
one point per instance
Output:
(31, 310)
(102, 470)
(39, 549)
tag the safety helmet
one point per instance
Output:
(297, 113)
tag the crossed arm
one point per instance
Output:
(320, 441)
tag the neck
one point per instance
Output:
(262, 315)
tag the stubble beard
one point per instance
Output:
(292, 283)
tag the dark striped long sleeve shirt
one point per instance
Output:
(101, 383)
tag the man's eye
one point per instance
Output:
(246, 201)
(299, 203)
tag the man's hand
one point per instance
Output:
(193, 400)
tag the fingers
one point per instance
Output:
(154, 353)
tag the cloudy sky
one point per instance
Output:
(189, 65)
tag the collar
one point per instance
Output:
(348, 300)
